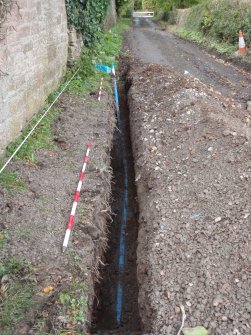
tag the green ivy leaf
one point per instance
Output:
(86, 16)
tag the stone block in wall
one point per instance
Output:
(111, 17)
(75, 45)
(182, 16)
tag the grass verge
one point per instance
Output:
(3, 240)
(199, 38)
(10, 181)
(42, 137)
(105, 52)
(16, 292)
(74, 304)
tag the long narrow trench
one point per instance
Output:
(117, 306)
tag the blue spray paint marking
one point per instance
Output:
(122, 247)
(116, 96)
(104, 68)
(122, 235)
(119, 302)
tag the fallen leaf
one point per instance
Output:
(195, 331)
(48, 289)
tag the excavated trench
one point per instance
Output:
(117, 295)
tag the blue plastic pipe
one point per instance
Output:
(124, 217)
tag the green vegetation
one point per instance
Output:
(74, 303)
(16, 292)
(199, 38)
(163, 8)
(167, 5)
(71, 304)
(104, 52)
(87, 16)
(221, 20)
(125, 7)
(69, 166)
(82, 212)
(42, 137)
(10, 181)
(24, 233)
(3, 240)
(199, 330)
(214, 24)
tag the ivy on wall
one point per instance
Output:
(87, 16)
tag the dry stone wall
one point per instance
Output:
(182, 15)
(75, 45)
(33, 57)
(111, 17)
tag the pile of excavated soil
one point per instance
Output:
(193, 168)
(35, 218)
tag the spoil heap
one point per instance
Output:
(192, 163)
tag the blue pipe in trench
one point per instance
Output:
(122, 234)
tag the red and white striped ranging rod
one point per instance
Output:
(75, 203)
(100, 89)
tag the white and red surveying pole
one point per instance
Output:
(75, 203)
(100, 89)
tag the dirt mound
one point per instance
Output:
(192, 160)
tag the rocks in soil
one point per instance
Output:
(192, 162)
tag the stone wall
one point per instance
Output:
(75, 45)
(182, 15)
(33, 57)
(111, 17)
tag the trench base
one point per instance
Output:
(120, 285)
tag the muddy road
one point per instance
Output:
(151, 45)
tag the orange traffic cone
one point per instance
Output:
(242, 46)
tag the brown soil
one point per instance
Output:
(35, 218)
(192, 164)
(191, 146)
